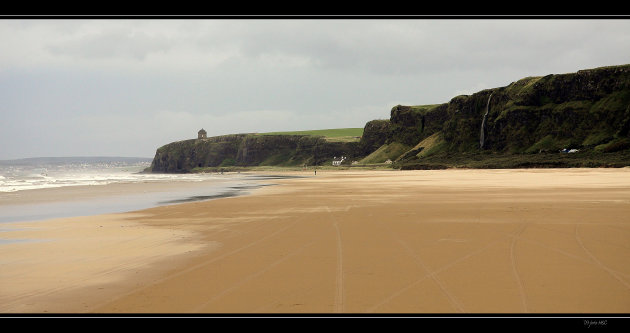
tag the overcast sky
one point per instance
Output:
(118, 87)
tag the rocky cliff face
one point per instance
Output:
(249, 150)
(183, 156)
(411, 124)
(587, 110)
(375, 134)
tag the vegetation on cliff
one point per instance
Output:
(250, 150)
(333, 134)
(524, 124)
(588, 111)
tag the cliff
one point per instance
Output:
(524, 124)
(250, 150)
(375, 134)
(588, 111)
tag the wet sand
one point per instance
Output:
(444, 241)
(84, 200)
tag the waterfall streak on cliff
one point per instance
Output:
(483, 124)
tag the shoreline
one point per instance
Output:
(448, 241)
(120, 197)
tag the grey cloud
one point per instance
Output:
(132, 85)
(112, 44)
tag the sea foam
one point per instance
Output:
(32, 174)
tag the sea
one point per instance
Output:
(22, 177)
(48, 172)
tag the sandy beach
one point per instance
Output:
(435, 241)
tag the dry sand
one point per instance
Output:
(447, 241)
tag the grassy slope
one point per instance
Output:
(385, 152)
(429, 145)
(333, 134)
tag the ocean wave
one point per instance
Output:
(17, 178)
(89, 179)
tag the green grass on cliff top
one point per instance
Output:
(424, 108)
(333, 134)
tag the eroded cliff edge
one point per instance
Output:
(525, 123)
(249, 150)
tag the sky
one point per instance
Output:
(125, 87)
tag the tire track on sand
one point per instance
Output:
(198, 266)
(433, 275)
(339, 299)
(517, 276)
(31, 297)
(597, 261)
(250, 277)
(339, 293)
(436, 271)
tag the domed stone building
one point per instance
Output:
(202, 134)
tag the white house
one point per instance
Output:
(337, 161)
